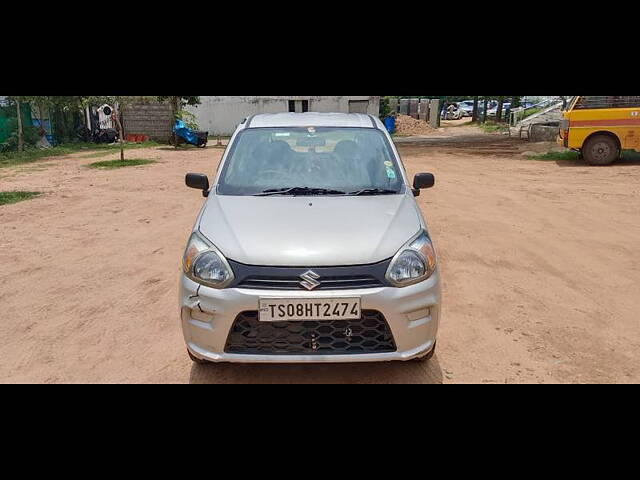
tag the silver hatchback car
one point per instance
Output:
(310, 247)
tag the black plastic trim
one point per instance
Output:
(368, 335)
(288, 278)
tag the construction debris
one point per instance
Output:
(406, 125)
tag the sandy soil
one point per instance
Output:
(540, 261)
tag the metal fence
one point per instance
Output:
(516, 115)
(8, 119)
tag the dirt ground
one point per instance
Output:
(540, 262)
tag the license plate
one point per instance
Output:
(286, 309)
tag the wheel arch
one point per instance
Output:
(608, 133)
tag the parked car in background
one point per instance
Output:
(493, 111)
(310, 247)
(466, 106)
(451, 111)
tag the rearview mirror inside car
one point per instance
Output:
(311, 141)
(198, 181)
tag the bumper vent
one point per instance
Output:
(369, 334)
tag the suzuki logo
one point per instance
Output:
(309, 280)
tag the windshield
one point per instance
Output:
(310, 161)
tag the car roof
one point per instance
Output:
(310, 119)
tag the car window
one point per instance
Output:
(342, 159)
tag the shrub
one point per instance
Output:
(385, 109)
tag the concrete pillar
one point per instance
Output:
(423, 110)
(393, 105)
(404, 106)
(413, 107)
(434, 113)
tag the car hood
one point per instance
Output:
(309, 231)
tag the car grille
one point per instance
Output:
(369, 334)
(327, 283)
(289, 278)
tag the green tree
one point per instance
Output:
(485, 107)
(474, 115)
(20, 131)
(62, 113)
(385, 108)
(18, 101)
(178, 103)
(499, 109)
(118, 102)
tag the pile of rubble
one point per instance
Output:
(406, 125)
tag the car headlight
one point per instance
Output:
(414, 262)
(204, 263)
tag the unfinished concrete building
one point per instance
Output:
(221, 115)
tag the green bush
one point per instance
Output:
(385, 108)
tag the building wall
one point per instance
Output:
(221, 115)
(153, 119)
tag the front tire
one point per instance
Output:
(600, 150)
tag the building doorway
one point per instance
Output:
(358, 106)
(298, 106)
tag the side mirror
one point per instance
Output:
(199, 181)
(422, 180)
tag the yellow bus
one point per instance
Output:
(601, 127)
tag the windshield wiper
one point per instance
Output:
(299, 191)
(373, 191)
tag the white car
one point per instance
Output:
(493, 111)
(466, 107)
(310, 247)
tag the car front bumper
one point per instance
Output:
(412, 313)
